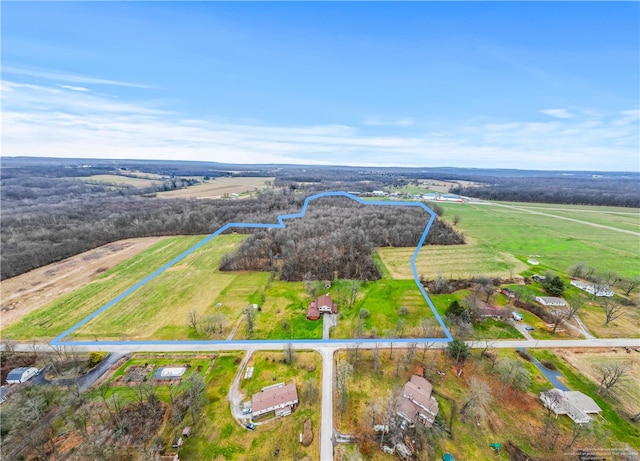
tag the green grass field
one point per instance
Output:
(68, 310)
(160, 309)
(383, 299)
(555, 243)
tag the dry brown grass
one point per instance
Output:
(37, 288)
(626, 326)
(587, 361)
(217, 188)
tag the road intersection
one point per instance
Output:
(327, 349)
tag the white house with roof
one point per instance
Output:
(596, 290)
(551, 301)
(21, 375)
(574, 404)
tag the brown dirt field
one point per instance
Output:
(217, 188)
(586, 360)
(37, 288)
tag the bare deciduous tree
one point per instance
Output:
(343, 376)
(629, 284)
(478, 401)
(611, 375)
(612, 310)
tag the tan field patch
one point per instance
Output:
(587, 361)
(219, 187)
(453, 261)
(140, 183)
(39, 287)
(625, 326)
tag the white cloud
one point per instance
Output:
(66, 77)
(558, 113)
(52, 121)
(74, 88)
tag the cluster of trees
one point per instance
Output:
(613, 190)
(335, 239)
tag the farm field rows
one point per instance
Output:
(219, 187)
(452, 261)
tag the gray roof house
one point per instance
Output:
(574, 404)
(415, 403)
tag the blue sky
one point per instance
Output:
(542, 85)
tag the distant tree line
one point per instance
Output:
(336, 238)
(610, 191)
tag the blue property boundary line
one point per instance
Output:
(58, 341)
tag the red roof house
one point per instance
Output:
(324, 305)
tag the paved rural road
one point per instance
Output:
(327, 350)
(326, 422)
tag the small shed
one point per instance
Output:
(186, 432)
(21, 375)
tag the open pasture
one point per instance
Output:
(219, 187)
(161, 308)
(67, 310)
(555, 243)
(32, 290)
(625, 326)
(383, 299)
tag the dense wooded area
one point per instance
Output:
(50, 212)
(336, 239)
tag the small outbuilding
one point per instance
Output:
(21, 375)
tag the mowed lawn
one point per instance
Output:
(452, 261)
(160, 309)
(554, 242)
(70, 309)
